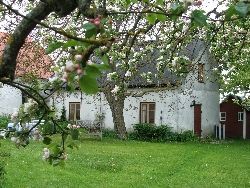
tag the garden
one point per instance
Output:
(116, 163)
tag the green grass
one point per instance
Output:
(114, 163)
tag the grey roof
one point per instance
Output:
(192, 50)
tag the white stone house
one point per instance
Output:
(193, 105)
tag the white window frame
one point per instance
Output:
(240, 116)
(224, 117)
(201, 72)
(75, 110)
(147, 111)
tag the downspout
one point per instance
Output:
(177, 106)
(244, 123)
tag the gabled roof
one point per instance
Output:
(232, 97)
(192, 51)
(31, 58)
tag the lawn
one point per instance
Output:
(114, 163)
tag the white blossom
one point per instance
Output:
(69, 66)
(128, 74)
(78, 57)
(111, 76)
(13, 139)
(46, 153)
(115, 90)
(52, 79)
(149, 80)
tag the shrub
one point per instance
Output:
(4, 120)
(47, 128)
(186, 136)
(162, 133)
(109, 133)
(151, 132)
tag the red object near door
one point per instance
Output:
(197, 120)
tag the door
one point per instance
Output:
(197, 120)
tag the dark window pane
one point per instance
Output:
(151, 116)
(74, 111)
(151, 106)
(147, 112)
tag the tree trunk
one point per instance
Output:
(116, 104)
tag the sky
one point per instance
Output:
(207, 5)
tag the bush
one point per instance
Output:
(186, 136)
(151, 132)
(162, 133)
(4, 120)
(47, 128)
(109, 133)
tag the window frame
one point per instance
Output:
(240, 116)
(75, 111)
(201, 72)
(224, 118)
(147, 112)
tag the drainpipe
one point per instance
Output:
(244, 123)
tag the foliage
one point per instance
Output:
(109, 133)
(162, 133)
(63, 114)
(47, 128)
(4, 120)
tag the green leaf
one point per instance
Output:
(160, 2)
(90, 30)
(53, 46)
(102, 66)
(151, 17)
(92, 71)
(198, 18)
(55, 148)
(161, 17)
(241, 8)
(176, 9)
(89, 26)
(88, 84)
(73, 145)
(71, 43)
(105, 59)
(56, 162)
(230, 12)
(47, 140)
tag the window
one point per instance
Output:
(147, 112)
(201, 72)
(74, 111)
(24, 98)
(222, 116)
(240, 116)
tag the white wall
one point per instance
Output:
(10, 99)
(172, 105)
